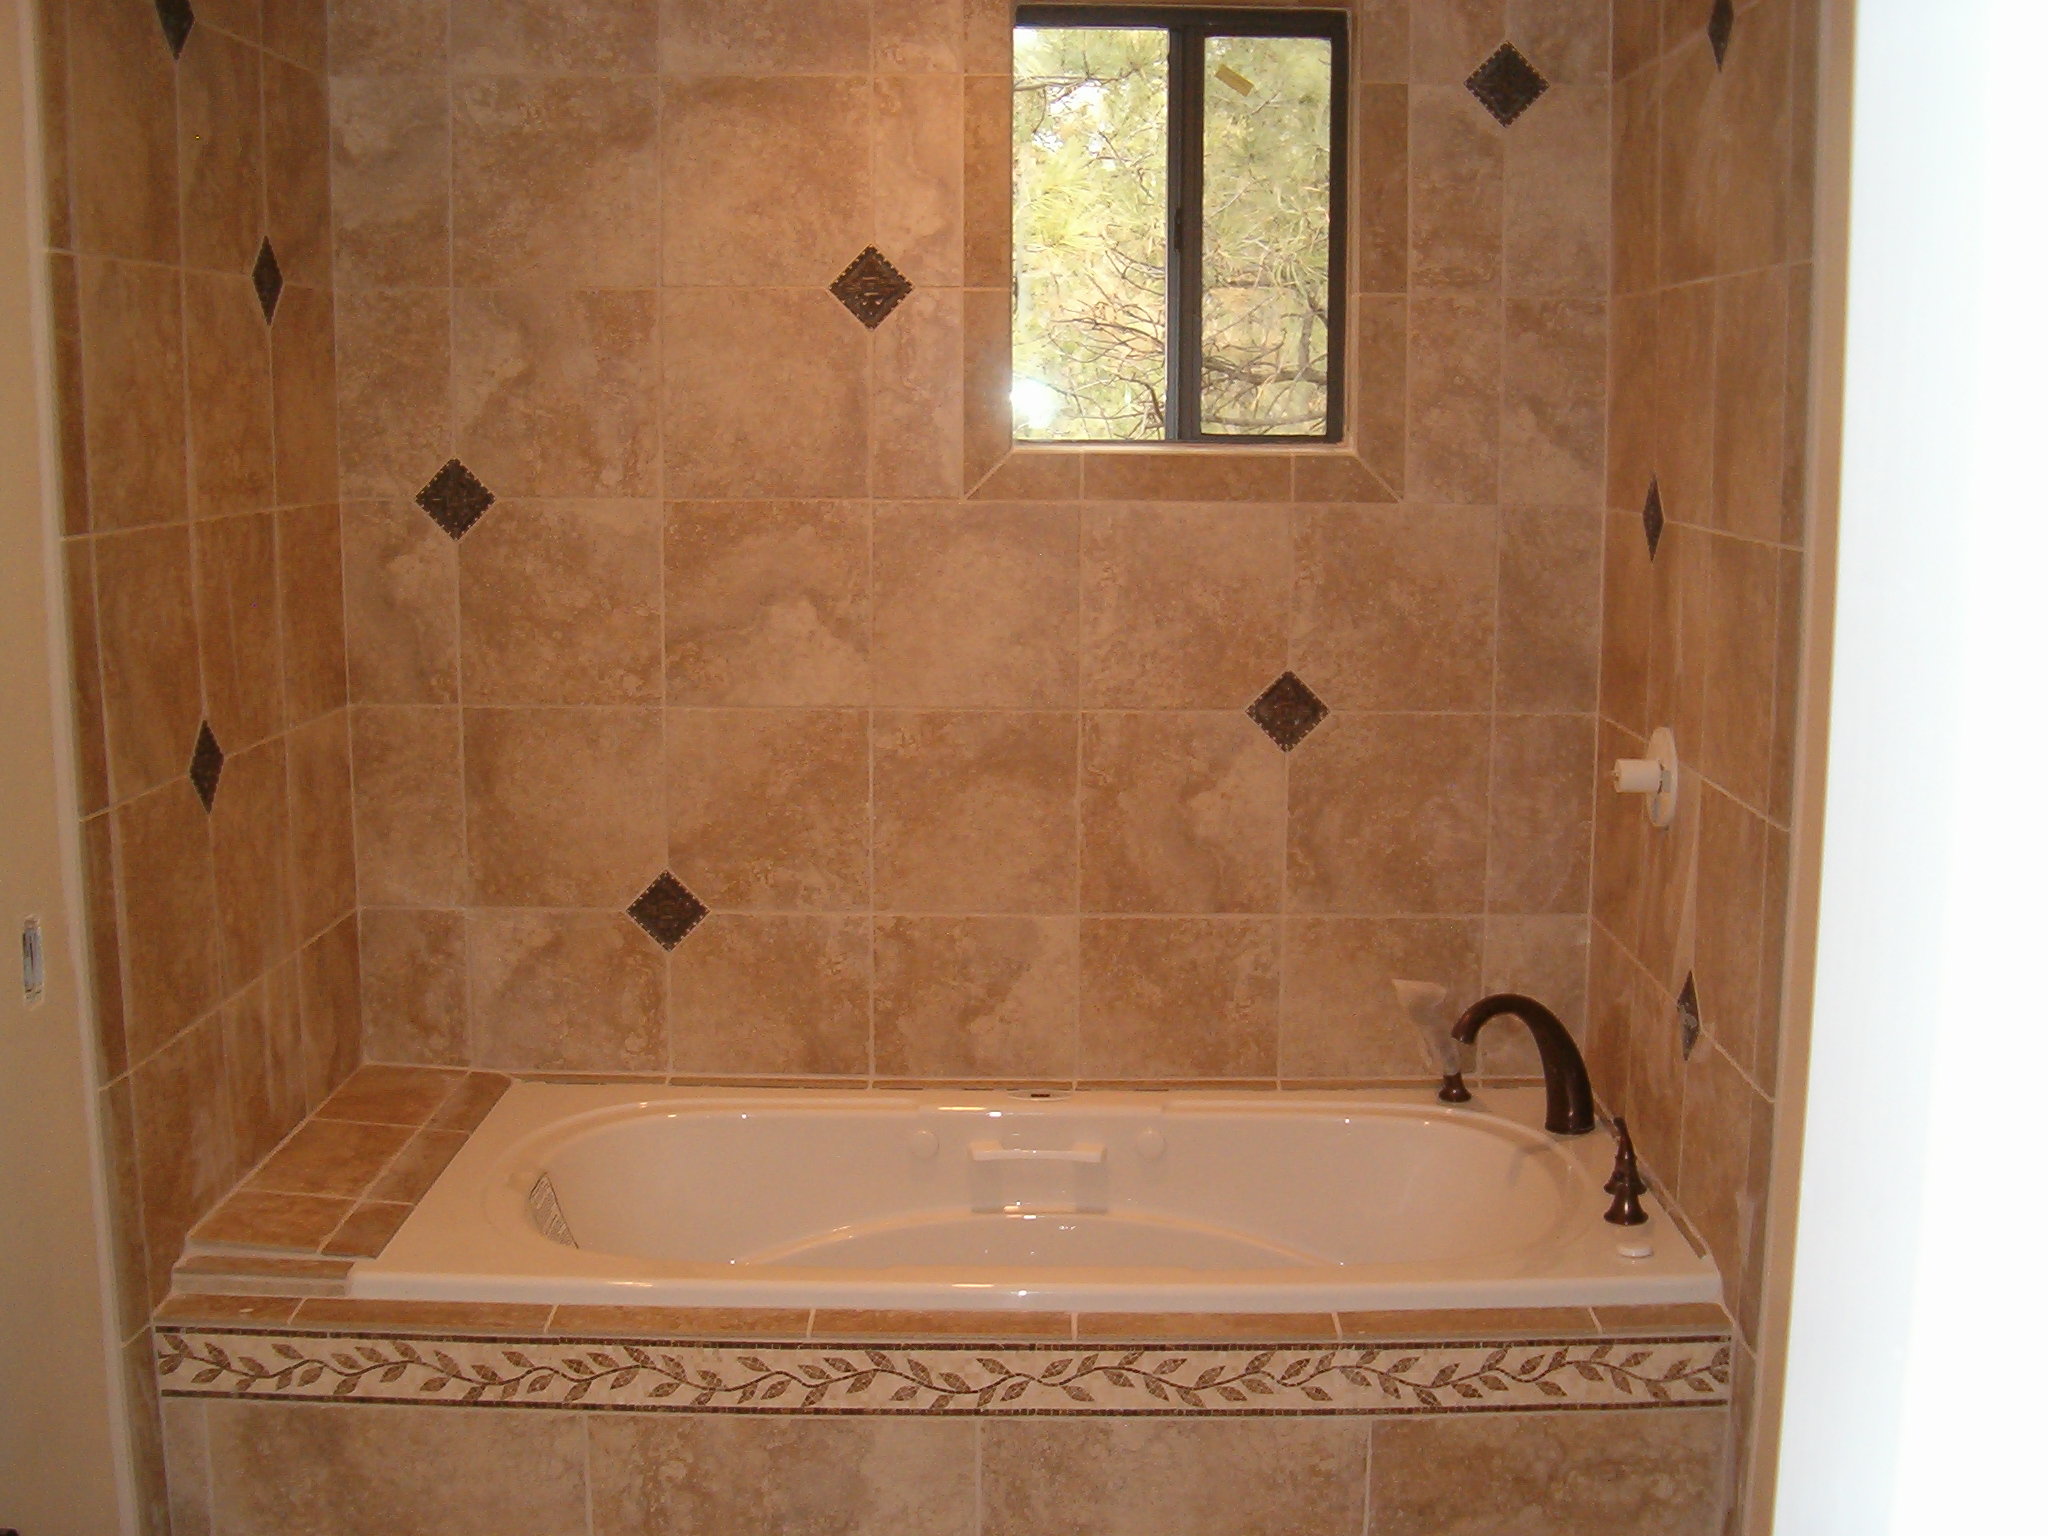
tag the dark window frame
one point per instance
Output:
(1188, 28)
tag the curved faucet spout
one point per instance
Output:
(1567, 1091)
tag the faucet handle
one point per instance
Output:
(1625, 1183)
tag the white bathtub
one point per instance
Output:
(1126, 1202)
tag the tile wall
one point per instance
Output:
(190, 276)
(1714, 136)
(774, 720)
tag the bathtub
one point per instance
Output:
(1090, 1201)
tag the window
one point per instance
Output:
(1178, 182)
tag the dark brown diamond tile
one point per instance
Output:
(1507, 84)
(206, 765)
(1720, 27)
(1288, 711)
(176, 16)
(1653, 517)
(871, 287)
(667, 910)
(1688, 1017)
(269, 280)
(454, 499)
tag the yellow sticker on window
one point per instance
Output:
(1233, 79)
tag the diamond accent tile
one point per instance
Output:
(1720, 26)
(667, 910)
(454, 499)
(176, 16)
(1688, 1017)
(269, 280)
(1653, 517)
(871, 287)
(1507, 84)
(1288, 711)
(207, 759)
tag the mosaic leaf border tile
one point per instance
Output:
(996, 1380)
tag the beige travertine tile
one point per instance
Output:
(1634, 180)
(1631, 400)
(1322, 477)
(1455, 164)
(122, 132)
(330, 1007)
(565, 992)
(986, 103)
(568, 36)
(132, 356)
(1752, 1214)
(1173, 1477)
(498, 1317)
(133, 1297)
(1785, 687)
(764, 37)
(1676, 675)
(986, 416)
(975, 605)
(323, 865)
(1729, 939)
(67, 394)
(252, 864)
(671, 1472)
(556, 179)
(748, 1323)
(919, 144)
(1182, 607)
(770, 995)
(1753, 153)
(1567, 40)
(184, 1140)
(1670, 1317)
(1656, 1080)
(765, 180)
(1206, 1327)
(765, 394)
(916, 37)
(1034, 474)
(1386, 815)
(561, 604)
(1379, 191)
(768, 808)
(296, 194)
(1550, 610)
(1483, 1323)
(220, 150)
(470, 1102)
(1799, 319)
(338, 1158)
(1454, 367)
(408, 805)
(918, 424)
(902, 1323)
(1339, 1016)
(1145, 981)
(767, 602)
(388, 37)
(369, 1466)
(1749, 404)
(53, 90)
(368, 1228)
(1713, 1169)
(170, 936)
(1447, 41)
(101, 895)
(255, 1218)
(1542, 958)
(974, 812)
(1740, 638)
(302, 396)
(413, 1171)
(227, 362)
(1185, 475)
(228, 1309)
(298, 30)
(1638, 35)
(415, 981)
(1634, 1474)
(392, 379)
(389, 1095)
(1180, 813)
(1541, 833)
(239, 629)
(400, 575)
(1379, 396)
(262, 1274)
(1553, 411)
(555, 392)
(391, 194)
(260, 1040)
(1689, 128)
(563, 806)
(1394, 607)
(976, 997)
(1610, 998)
